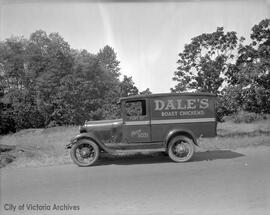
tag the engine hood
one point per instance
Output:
(101, 125)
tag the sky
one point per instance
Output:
(147, 36)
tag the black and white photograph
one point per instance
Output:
(140, 107)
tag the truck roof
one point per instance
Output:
(167, 94)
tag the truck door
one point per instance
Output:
(136, 125)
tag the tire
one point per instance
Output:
(181, 148)
(84, 153)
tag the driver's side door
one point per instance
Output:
(136, 124)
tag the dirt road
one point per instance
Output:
(217, 182)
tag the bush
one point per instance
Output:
(228, 102)
(248, 117)
(7, 123)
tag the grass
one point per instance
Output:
(45, 147)
(218, 143)
(40, 147)
(231, 129)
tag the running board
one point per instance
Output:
(134, 151)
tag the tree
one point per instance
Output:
(127, 87)
(146, 92)
(251, 72)
(108, 59)
(204, 61)
(43, 82)
(49, 61)
(228, 101)
(12, 64)
(17, 102)
(95, 85)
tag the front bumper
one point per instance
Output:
(71, 143)
(68, 146)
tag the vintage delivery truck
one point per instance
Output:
(169, 123)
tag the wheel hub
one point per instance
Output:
(85, 152)
(180, 149)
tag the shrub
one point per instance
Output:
(247, 117)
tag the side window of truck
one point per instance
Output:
(135, 108)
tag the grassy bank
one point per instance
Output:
(39, 147)
(45, 147)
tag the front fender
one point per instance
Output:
(172, 133)
(89, 136)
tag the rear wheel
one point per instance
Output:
(181, 148)
(84, 152)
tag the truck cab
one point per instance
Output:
(171, 123)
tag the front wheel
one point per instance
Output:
(84, 153)
(181, 149)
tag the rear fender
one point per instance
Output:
(184, 132)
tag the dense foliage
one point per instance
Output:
(43, 82)
(220, 63)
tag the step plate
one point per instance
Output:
(134, 151)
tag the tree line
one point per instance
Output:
(44, 82)
(225, 64)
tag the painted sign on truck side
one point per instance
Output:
(185, 107)
(195, 113)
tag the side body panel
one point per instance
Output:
(189, 112)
